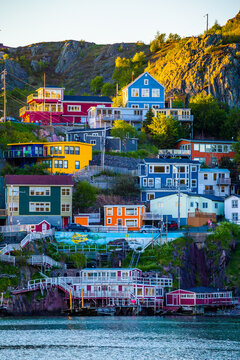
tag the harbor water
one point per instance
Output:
(124, 338)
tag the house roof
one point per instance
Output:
(90, 130)
(210, 197)
(233, 195)
(172, 161)
(215, 170)
(90, 98)
(39, 180)
(145, 72)
(106, 269)
(208, 141)
(77, 143)
(203, 289)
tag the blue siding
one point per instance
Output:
(150, 101)
(167, 182)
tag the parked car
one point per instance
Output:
(76, 227)
(9, 118)
(172, 225)
(148, 228)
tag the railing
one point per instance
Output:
(92, 217)
(36, 96)
(13, 154)
(88, 171)
(165, 187)
(208, 192)
(31, 97)
(44, 260)
(46, 108)
(151, 216)
(183, 117)
(174, 152)
(225, 181)
(120, 117)
(8, 258)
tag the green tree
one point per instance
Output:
(157, 43)
(139, 57)
(84, 196)
(123, 72)
(208, 116)
(173, 37)
(216, 28)
(108, 89)
(231, 126)
(125, 185)
(165, 131)
(148, 120)
(96, 84)
(78, 260)
(123, 130)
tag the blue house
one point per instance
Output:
(143, 93)
(167, 175)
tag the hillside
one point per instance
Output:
(180, 65)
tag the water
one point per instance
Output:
(125, 338)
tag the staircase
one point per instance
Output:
(135, 259)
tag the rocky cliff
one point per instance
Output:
(183, 66)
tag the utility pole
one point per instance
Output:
(103, 148)
(44, 84)
(207, 23)
(117, 93)
(179, 195)
(4, 73)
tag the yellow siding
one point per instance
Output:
(84, 156)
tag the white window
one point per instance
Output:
(13, 191)
(65, 191)
(155, 92)
(155, 106)
(135, 106)
(146, 106)
(196, 147)
(77, 164)
(234, 216)
(39, 191)
(205, 205)
(150, 182)
(93, 142)
(131, 223)
(235, 204)
(194, 183)
(109, 220)
(202, 147)
(13, 207)
(39, 207)
(74, 107)
(131, 211)
(169, 182)
(145, 81)
(135, 92)
(216, 205)
(109, 211)
(65, 164)
(205, 176)
(119, 211)
(65, 207)
(145, 92)
(191, 204)
(194, 168)
(144, 182)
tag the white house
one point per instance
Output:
(214, 182)
(167, 206)
(232, 208)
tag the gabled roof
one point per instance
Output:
(145, 72)
(98, 99)
(233, 195)
(90, 130)
(209, 141)
(39, 180)
(203, 289)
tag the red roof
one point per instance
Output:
(38, 180)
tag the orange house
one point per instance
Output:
(130, 216)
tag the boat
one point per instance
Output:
(106, 311)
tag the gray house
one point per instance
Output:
(97, 137)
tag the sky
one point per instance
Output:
(25, 22)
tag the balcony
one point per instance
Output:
(120, 117)
(224, 181)
(164, 153)
(165, 188)
(14, 154)
(40, 108)
(40, 97)
(208, 192)
(186, 118)
(151, 216)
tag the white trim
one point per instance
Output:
(143, 74)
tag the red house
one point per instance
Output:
(51, 106)
(208, 151)
(41, 227)
(199, 296)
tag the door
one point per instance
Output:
(65, 221)
(44, 227)
(119, 222)
(158, 183)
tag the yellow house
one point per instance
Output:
(66, 157)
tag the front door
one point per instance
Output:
(158, 183)
(65, 220)
(119, 222)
